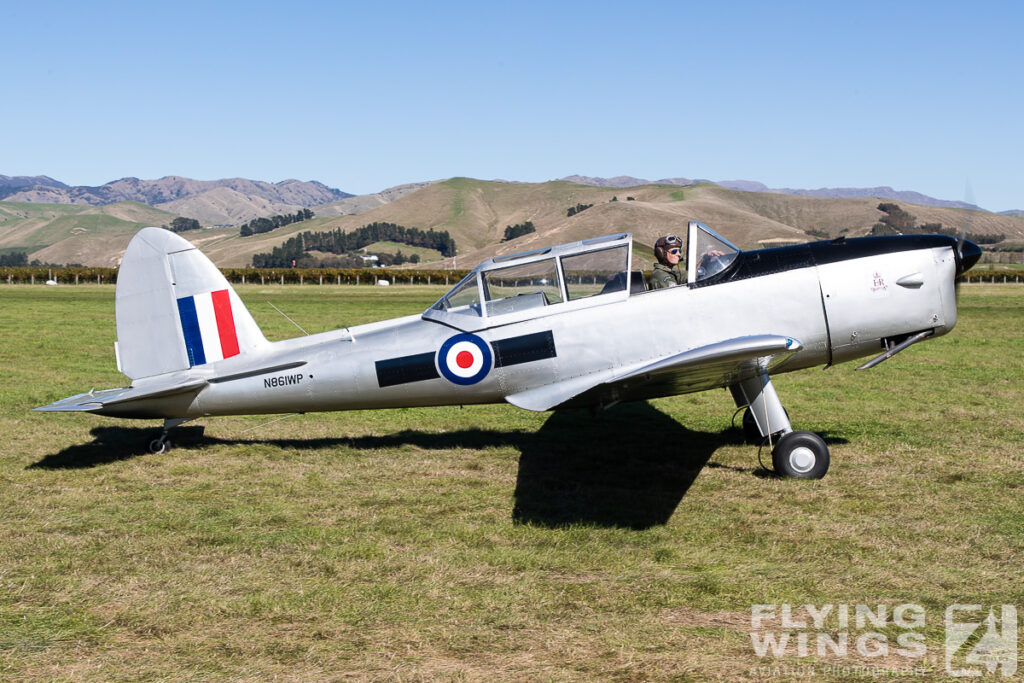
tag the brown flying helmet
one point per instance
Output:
(662, 246)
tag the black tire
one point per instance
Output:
(750, 431)
(157, 446)
(801, 455)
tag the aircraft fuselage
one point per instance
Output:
(839, 299)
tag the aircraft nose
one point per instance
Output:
(968, 256)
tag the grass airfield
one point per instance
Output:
(487, 542)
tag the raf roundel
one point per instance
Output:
(464, 359)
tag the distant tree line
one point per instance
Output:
(17, 259)
(14, 258)
(573, 210)
(338, 242)
(181, 224)
(295, 250)
(518, 230)
(259, 225)
(900, 222)
(986, 239)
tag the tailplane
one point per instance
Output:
(175, 310)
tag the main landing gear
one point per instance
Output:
(160, 444)
(803, 455)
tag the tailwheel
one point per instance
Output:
(159, 445)
(802, 455)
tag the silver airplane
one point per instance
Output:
(561, 326)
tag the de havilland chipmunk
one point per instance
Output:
(561, 326)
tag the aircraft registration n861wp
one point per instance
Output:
(562, 326)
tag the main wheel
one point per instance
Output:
(802, 455)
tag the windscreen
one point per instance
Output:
(710, 253)
(462, 298)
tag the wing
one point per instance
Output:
(716, 365)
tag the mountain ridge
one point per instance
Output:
(289, 194)
(881, 192)
(165, 189)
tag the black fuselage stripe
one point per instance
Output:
(406, 369)
(511, 351)
(524, 349)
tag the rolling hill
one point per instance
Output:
(75, 233)
(476, 212)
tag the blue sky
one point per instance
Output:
(925, 96)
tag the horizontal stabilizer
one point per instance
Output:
(95, 401)
(114, 400)
(715, 365)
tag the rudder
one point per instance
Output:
(175, 310)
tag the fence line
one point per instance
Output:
(305, 277)
(319, 277)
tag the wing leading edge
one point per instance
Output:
(716, 365)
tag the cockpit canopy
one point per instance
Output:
(593, 272)
(517, 286)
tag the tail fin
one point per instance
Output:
(175, 310)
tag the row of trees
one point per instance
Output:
(518, 230)
(898, 221)
(260, 225)
(295, 250)
(19, 259)
(14, 258)
(573, 210)
(338, 242)
(181, 224)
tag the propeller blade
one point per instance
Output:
(967, 252)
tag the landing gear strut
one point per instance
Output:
(751, 431)
(161, 444)
(796, 454)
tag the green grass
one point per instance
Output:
(488, 542)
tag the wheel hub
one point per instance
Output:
(802, 459)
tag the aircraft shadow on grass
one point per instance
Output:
(628, 467)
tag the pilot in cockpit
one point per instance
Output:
(667, 271)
